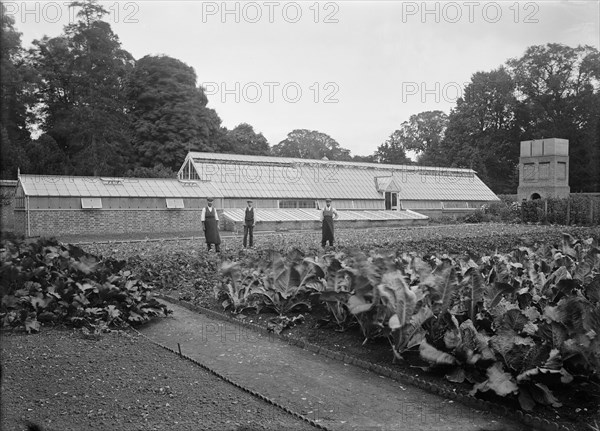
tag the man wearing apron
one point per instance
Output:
(328, 215)
(210, 225)
(249, 223)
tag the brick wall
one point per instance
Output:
(69, 222)
(98, 222)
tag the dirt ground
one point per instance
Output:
(62, 381)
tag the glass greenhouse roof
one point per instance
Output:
(262, 177)
(240, 176)
(269, 215)
(266, 160)
(445, 188)
(71, 186)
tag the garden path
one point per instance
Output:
(336, 395)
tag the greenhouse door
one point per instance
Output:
(391, 201)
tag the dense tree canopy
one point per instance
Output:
(365, 159)
(156, 171)
(168, 112)
(45, 156)
(16, 77)
(392, 151)
(242, 139)
(81, 98)
(483, 133)
(421, 134)
(310, 144)
(558, 89)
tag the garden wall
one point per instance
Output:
(580, 209)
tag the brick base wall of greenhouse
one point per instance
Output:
(106, 222)
(58, 222)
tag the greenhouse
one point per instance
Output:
(371, 191)
(287, 193)
(70, 205)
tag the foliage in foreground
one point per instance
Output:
(356, 271)
(46, 282)
(522, 324)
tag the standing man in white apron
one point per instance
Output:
(210, 225)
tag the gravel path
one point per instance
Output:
(120, 382)
(334, 394)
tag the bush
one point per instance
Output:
(557, 211)
(444, 219)
(504, 211)
(532, 211)
(478, 216)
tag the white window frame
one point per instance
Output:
(91, 203)
(175, 203)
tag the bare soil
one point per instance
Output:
(61, 380)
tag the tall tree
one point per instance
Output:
(483, 131)
(421, 134)
(45, 157)
(81, 98)
(169, 113)
(392, 151)
(559, 93)
(244, 140)
(310, 144)
(16, 77)
(551, 91)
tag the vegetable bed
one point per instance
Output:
(509, 313)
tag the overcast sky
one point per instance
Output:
(352, 69)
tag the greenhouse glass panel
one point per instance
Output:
(456, 204)
(306, 204)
